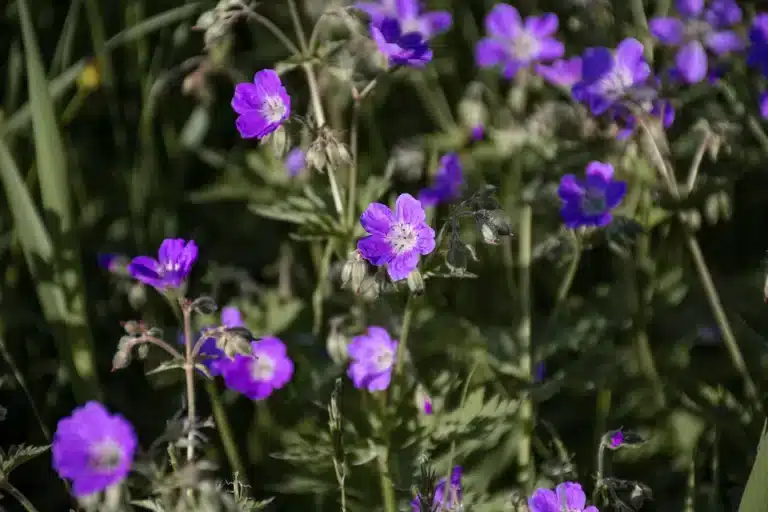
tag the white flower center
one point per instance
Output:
(172, 266)
(105, 456)
(384, 360)
(402, 237)
(525, 46)
(273, 109)
(696, 30)
(616, 82)
(410, 25)
(593, 202)
(262, 368)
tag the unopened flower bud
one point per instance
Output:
(278, 141)
(131, 328)
(472, 113)
(206, 20)
(137, 296)
(316, 157)
(235, 340)
(370, 288)
(416, 282)
(337, 153)
(121, 359)
(336, 345)
(353, 272)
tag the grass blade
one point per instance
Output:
(755, 497)
(51, 160)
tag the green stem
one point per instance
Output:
(28, 506)
(319, 293)
(387, 491)
(402, 346)
(524, 459)
(353, 170)
(275, 30)
(225, 430)
(23, 384)
(189, 376)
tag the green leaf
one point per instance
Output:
(51, 160)
(18, 455)
(148, 505)
(755, 497)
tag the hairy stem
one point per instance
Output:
(524, 460)
(18, 496)
(189, 375)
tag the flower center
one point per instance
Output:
(525, 46)
(615, 83)
(273, 109)
(402, 237)
(384, 360)
(262, 368)
(696, 30)
(171, 266)
(105, 456)
(410, 25)
(593, 202)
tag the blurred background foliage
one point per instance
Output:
(146, 149)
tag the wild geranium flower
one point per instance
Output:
(608, 78)
(295, 161)
(568, 496)
(562, 72)
(589, 202)
(447, 183)
(263, 105)
(514, 44)
(397, 239)
(408, 13)
(697, 30)
(93, 449)
(172, 266)
(257, 375)
(477, 132)
(213, 357)
(401, 49)
(372, 359)
(453, 501)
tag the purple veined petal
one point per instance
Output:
(375, 249)
(377, 219)
(490, 52)
(436, 22)
(406, 9)
(764, 104)
(691, 62)
(724, 42)
(244, 99)
(690, 8)
(146, 270)
(503, 22)
(600, 170)
(599, 104)
(389, 29)
(571, 495)
(570, 189)
(170, 249)
(252, 126)
(572, 215)
(542, 26)
(595, 63)
(601, 220)
(402, 265)
(379, 335)
(378, 381)
(550, 49)
(425, 242)
(630, 53)
(231, 317)
(668, 31)
(429, 197)
(543, 500)
(409, 210)
(563, 73)
(511, 67)
(268, 80)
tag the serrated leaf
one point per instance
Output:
(18, 455)
(148, 505)
(173, 365)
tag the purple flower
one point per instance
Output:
(295, 161)
(539, 371)
(609, 78)
(263, 105)
(616, 439)
(566, 496)
(401, 49)
(764, 105)
(267, 368)
(757, 56)
(213, 357)
(589, 202)
(408, 13)
(477, 132)
(172, 266)
(373, 356)
(699, 30)
(513, 44)
(447, 184)
(396, 239)
(454, 495)
(562, 72)
(427, 406)
(93, 448)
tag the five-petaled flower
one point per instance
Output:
(400, 48)
(262, 105)
(172, 266)
(408, 14)
(93, 448)
(257, 375)
(513, 44)
(589, 202)
(447, 183)
(372, 359)
(453, 501)
(699, 29)
(213, 358)
(568, 496)
(397, 239)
